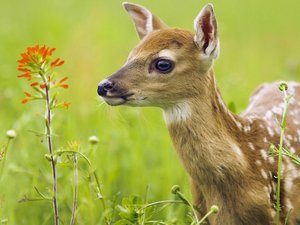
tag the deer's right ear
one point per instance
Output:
(206, 36)
(145, 22)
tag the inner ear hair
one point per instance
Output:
(206, 37)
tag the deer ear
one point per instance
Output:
(206, 36)
(145, 22)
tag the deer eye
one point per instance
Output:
(164, 65)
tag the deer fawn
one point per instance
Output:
(224, 154)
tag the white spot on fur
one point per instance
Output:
(292, 172)
(264, 154)
(178, 113)
(247, 128)
(270, 188)
(258, 163)
(277, 110)
(292, 149)
(289, 137)
(251, 146)
(264, 174)
(268, 115)
(288, 183)
(295, 139)
(289, 204)
(237, 150)
(265, 140)
(273, 213)
(252, 118)
(239, 125)
(286, 141)
(271, 160)
(267, 191)
(270, 131)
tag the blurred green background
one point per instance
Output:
(259, 43)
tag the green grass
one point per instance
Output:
(259, 43)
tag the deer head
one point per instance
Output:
(169, 65)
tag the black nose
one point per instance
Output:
(104, 87)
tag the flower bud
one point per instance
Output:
(272, 149)
(283, 86)
(11, 134)
(48, 157)
(93, 140)
(175, 189)
(214, 209)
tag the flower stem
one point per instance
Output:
(280, 153)
(205, 217)
(183, 198)
(99, 193)
(92, 173)
(75, 190)
(4, 157)
(50, 149)
(164, 202)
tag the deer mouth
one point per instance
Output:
(116, 100)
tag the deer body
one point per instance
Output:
(224, 154)
(227, 157)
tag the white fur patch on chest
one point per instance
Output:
(178, 113)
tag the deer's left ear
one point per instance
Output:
(206, 36)
(145, 22)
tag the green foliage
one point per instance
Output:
(136, 211)
(129, 210)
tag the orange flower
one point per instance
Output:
(36, 63)
(64, 79)
(27, 94)
(67, 104)
(35, 57)
(62, 84)
(24, 70)
(43, 86)
(27, 99)
(57, 62)
(26, 75)
(34, 84)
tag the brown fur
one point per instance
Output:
(224, 154)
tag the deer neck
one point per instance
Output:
(204, 134)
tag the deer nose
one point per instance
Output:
(104, 87)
